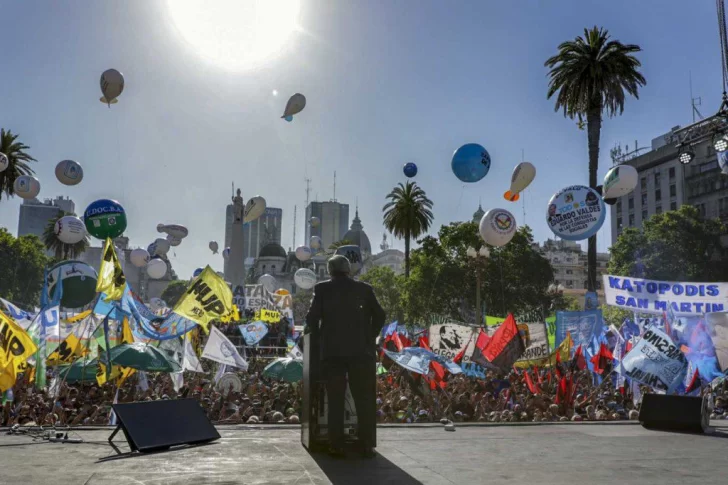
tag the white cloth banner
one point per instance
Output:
(220, 349)
(536, 341)
(654, 296)
(447, 340)
(295, 353)
(656, 362)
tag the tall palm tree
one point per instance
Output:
(591, 75)
(407, 215)
(18, 158)
(62, 251)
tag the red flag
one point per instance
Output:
(551, 374)
(579, 361)
(405, 341)
(603, 360)
(424, 342)
(694, 383)
(397, 341)
(504, 348)
(439, 370)
(531, 386)
(483, 340)
(460, 355)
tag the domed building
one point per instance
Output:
(478, 214)
(356, 236)
(271, 259)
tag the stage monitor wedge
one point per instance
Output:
(674, 413)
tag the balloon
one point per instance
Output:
(722, 162)
(174, 230)
(315, 221)
(576, 213)
(105, 218)
(268, 282)
(315, 242)
(26, 187)
(4, 162)
(619, 181)
(353, 254)
(156, 268)
(69, 172)
(295, 105)
(288, 118)
(79, 283)
(497, 227)
(305, 278)
(523, 175)
(226, 253)
(69, 230)
(139, 257)
(470, 162)
(303, 253)
(254, 208)
(197, 272)
(213, 247)
(410, 169)
(173, 241)
(162, 246)
(112, 84)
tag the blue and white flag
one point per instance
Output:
(253, 332)
(656, 361)
(21, 317)
(390, 329)
(418, 360)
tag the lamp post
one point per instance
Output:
(481, 254)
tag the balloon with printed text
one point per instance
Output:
(470, 163)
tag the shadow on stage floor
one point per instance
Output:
(355, 470)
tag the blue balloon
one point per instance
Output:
(410, 169)
(197, 272)
(470, 162)
(288, 118)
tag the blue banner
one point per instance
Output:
(253, 332)
(693, 335)
(656, 361)
(471, 369)
(584, 327)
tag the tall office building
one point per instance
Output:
(334, 222)
(263, 230)
(34, 214)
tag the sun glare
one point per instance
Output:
(235, 34)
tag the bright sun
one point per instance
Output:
(235, 34)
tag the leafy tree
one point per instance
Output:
(591, 75)
(408, 214)
(388, 287)
(675, 245)
(22, 261)
(174, 291)
(614, 315)
(18, 158)
(61, 250)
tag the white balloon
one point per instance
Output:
(226, 253)
(156, 268)
(139, 257)
(174, 230)
(173, 241)
(497, 227)
(4, 162)
(305, 278)
(295, 105)
(523, 175)
(269, 282)
(254, 208)
(213, 247)
(70, 229)
(315, 221)
(26, 187)
(69, 172)
(303, 253)
(315, 242)
(162, 246)
(112, 85)
(619, 181)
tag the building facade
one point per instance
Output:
(35, 215)
(569, 263)
(263, 230)
(666, 184)
(333, 222)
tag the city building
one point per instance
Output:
(333, 221)
(569, 263)
(282, 265)
(478, 214)
(666, 184)
(34, 214)
(263, 230)
(356, 236)
(389, 257)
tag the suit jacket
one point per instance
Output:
(345, 317)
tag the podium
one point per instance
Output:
(314, 420)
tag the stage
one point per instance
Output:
(540, 454)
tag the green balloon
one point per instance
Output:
(79, 283)
(105, 218)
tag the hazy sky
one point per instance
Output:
(386, 83)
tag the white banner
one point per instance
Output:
(656, 362)
(654, 296)
(220, 349)
(718, 323)
(536, 341)
(447, 340)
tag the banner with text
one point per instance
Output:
(582, 326)
(656, 361)
(654, 296)
(535, 338)
(447, 340)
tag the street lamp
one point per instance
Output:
(481, 254)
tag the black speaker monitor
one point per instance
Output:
(157, 425)
(673, 413)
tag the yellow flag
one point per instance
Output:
(78, 317)
(111, 278)
(15, 344)
(7, 376)
(208, 298)
(101, 375)
(269, 316)
(67, 351)
(564, 351)
(126, 338)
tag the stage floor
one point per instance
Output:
(622, 453)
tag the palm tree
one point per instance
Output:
(336, 245)
(407, 215)
(15, 151)
(591, 75)
(62, 251)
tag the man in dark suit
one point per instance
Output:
(350, 320)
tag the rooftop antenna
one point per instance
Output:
(308, 189)
(695, 102)
(334, 186)
(295, 208)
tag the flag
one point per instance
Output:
(578, 362)
(531, 386)
(8, 376)
(389, 329)
(504, 348)
(220, 349)
(424, 342)
(602, 360)
(253, 332)
(111, 280)
(295, 353)
(397, 341)
(67, 351)
(17, 346)
(21, 317)
(208, 298)
(459, 356)
(694, 382)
